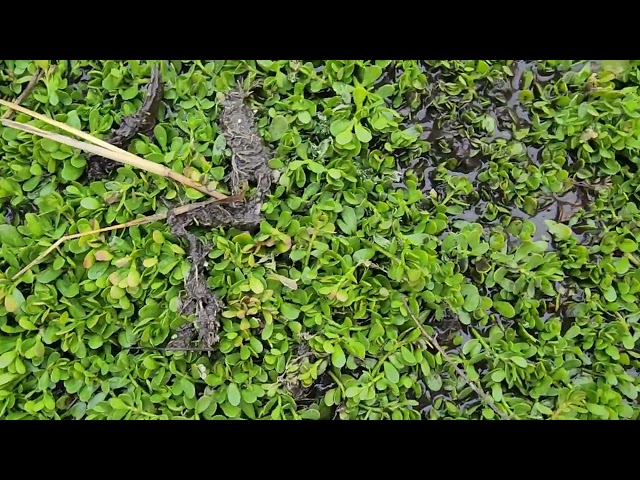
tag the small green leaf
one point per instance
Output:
(304, 117)
(256, 285)
(434, 382)
(407, 356)
(289, 311)
(73, 120)
(386, 90)
(363, 255)
(469, 346)
(7, 358)
(334, 173)
(352, 391)
(103, 256)
(279, 126)
(130, 93)
(249, 395)
(338, 358)
(233, 395)
(188, 388)
(95, 342)
(344, 137)
(505, 309)
(482, 67)
(599, 410)
(161, 135)
(489, 124)
(117, 404)
(363, 133)
(628, 342)
(628, 246)
(339, 126)
(371, 74)
(13, 301)
(9, 236)
(349, 222)
(203, 403)
(558, 230)
(6, 378)
(471, 297)
(357, 349)
(38, 349)
(610, 294)
(286, 281)
(622, 265)
(359, 96)
(342, 296)
(496, 392)
(519, 361)
(49, 145)
(310, 414)
(69, 172)
(90, 203)
(615, 66)
(391, 372)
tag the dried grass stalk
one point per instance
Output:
(101, 148)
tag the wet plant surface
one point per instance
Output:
(495, 202)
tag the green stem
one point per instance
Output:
(378, 249)
(480, 339)
(376, 369)
(146, 414)
(374, 373)
(310, 246)
(632, 258)
(447, 198)
(335, 379)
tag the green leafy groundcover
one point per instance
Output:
(498, 199)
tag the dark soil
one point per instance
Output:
(250, 157)
(143, 121)
(248, 166)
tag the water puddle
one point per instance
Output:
(316, 392)
(558, 209)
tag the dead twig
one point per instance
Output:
(102, 148)
(138, 221)
(27, 90)
(487, 399)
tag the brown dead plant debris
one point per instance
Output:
(249, 165)
(141, 122)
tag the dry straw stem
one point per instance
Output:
(102, 148)
(138, 221)
(487, 399)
